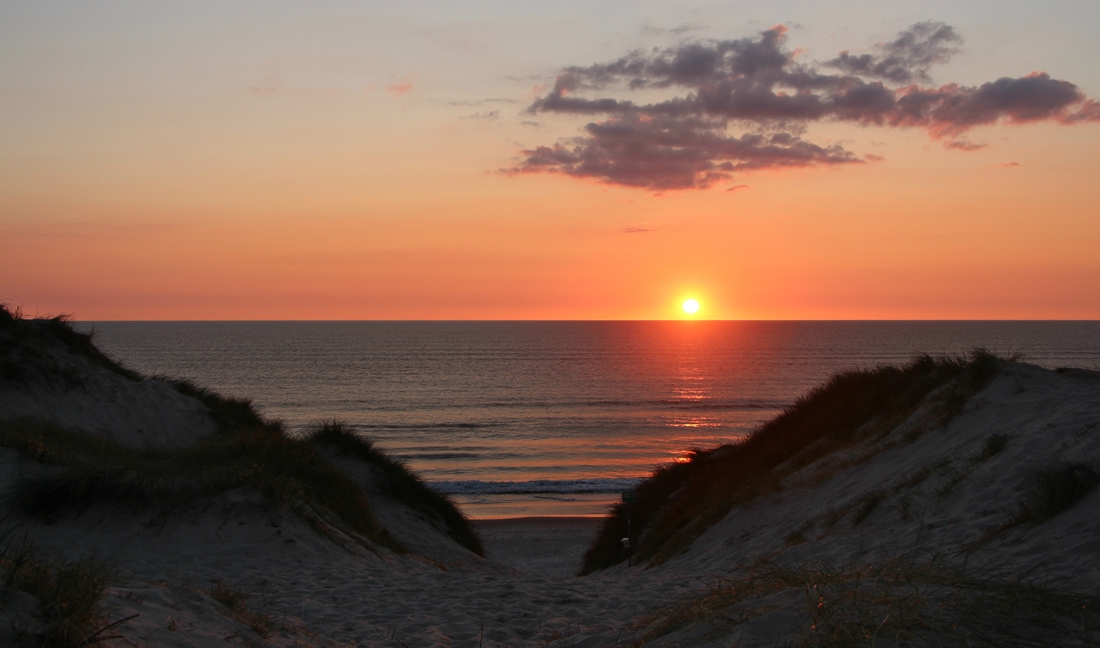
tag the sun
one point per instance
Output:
(690, 306)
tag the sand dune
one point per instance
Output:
(238, 569)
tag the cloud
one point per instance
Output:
(757, 84)
(485, 114)
(481, 102)
(963, 145)
(650, 30)
(663, 152)
(637, 230)
(738, 187)
(398, 89)
(908, 57)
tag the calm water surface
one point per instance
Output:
(521, 418)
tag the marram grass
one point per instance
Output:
(679, 502)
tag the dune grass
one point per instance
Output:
(398, 482)
(896, 601)
(994, 444)
(25, 353)
(289, 472)
(679, 502)
(1051, 490)
(69, 592)
(159, 482)
(232, 415)
(238, 603)
(1056, 489)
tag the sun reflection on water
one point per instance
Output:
(694, 422)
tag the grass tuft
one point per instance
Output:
(993, 446)
(678, 502)
(398, 482)
(232, 415)
(69, 593)
(1056, 489)
(236, 601)
(867, 504)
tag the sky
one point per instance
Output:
(569, 160)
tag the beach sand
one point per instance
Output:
(546, 546)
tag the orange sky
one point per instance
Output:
(289, 183)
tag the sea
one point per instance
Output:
(555, 418)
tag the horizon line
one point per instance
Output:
(669, 320)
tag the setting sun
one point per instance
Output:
(690, 306)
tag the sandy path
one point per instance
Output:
(356, 597)
(545, 546)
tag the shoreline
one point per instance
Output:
(493, 506)
(521, 518)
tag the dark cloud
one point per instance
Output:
(663, 152)
(963, 145)
(908, 57)
(757, 84)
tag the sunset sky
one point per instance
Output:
(565, 160)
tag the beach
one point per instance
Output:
(947, 501)
(548, 546)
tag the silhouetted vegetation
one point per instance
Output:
(679, 502)
(25, 350)
(233, 415)
(69, 593)
(398, 482)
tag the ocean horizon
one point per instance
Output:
(518, 418)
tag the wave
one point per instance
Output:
(687, 403)
(659, 403)
(425, 426)
(537, 486)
